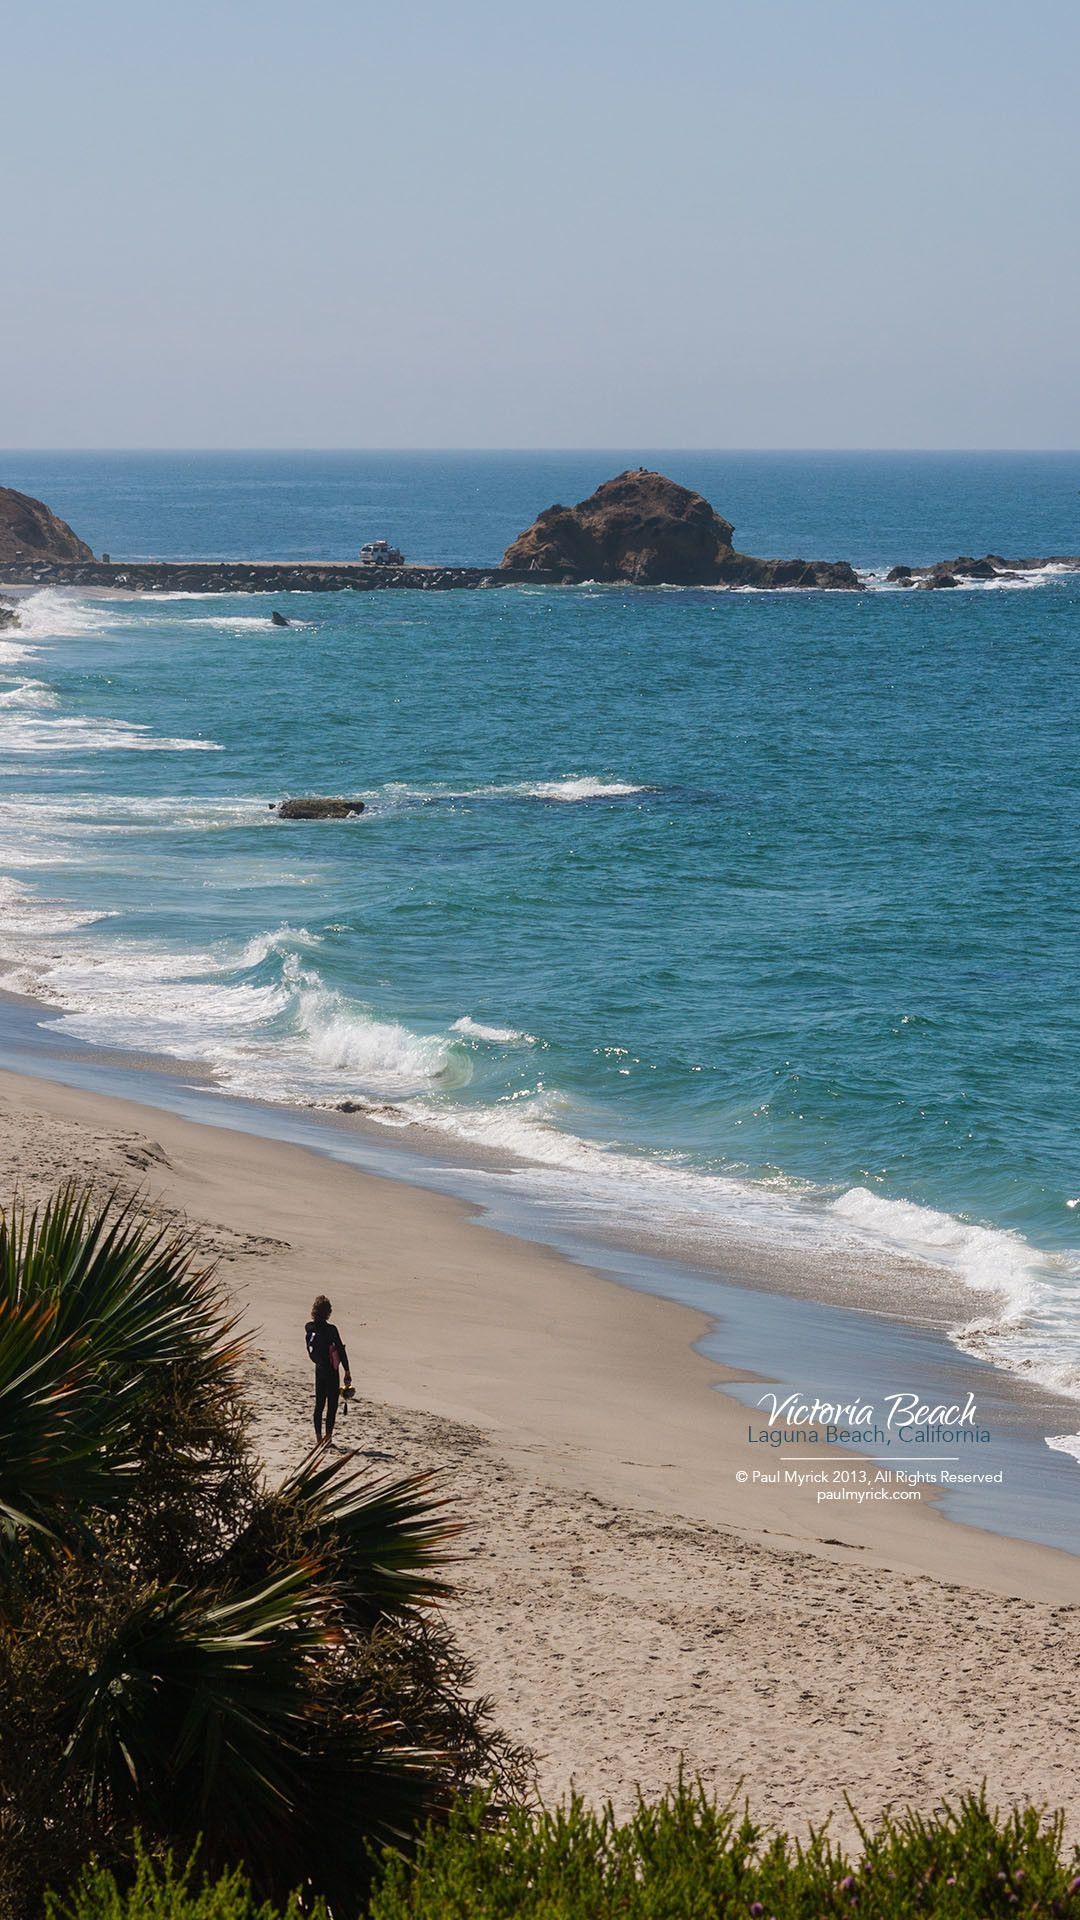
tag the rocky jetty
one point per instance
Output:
(250, 576)
(30, 531)
(645, 529)
(316, 807)
(991, 566)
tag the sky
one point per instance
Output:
(702, 223)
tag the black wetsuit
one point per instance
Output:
(327, 1349)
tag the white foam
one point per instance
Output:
(571, 789)
(290, 1038)
(1030, 1293)
(499, 1036)
(244, 623)
(581, 787)
(26, 915)
(602, 1177)
(28, 693)
(348, 1043)
(1065, 1443)
(14, 652)
(78, 734)
(988, 1260)
(53, 613)
(280, 940)
(108, 813)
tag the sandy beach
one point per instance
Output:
(627, 1604)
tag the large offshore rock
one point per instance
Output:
(645, 529)
(29, 530)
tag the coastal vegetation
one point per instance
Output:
(254, 1675)
(680, 1858)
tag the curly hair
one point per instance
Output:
(321, 1308)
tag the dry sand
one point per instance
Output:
(626, 1603)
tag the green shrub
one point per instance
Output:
(165, 1891)
(684, 1858)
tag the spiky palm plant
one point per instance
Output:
(97, 1310)
(182, 1650)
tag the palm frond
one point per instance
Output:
(95, 1307)
(205, 1701)
(204, 1718)
(58, 1434)
(133, 1289)
(384, 1542)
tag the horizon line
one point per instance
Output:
(518, 452)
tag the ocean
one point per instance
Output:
(723, 914)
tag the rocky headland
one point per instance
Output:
(645, 529)
(30, 531)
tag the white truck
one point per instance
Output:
(379, 553)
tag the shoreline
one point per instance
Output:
(735, 1337)
(624, 1608)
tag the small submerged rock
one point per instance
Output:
(9, 615)
(966, 566)
(278, 619)
(317, 808)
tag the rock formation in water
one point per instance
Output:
(646, 530)
(950, 573)
(9, 615)
(29, 530)
(317, 808)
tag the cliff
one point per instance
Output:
(647, 530)
(30, 531)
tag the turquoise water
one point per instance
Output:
(726, 913)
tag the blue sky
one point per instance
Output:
(779, 224)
